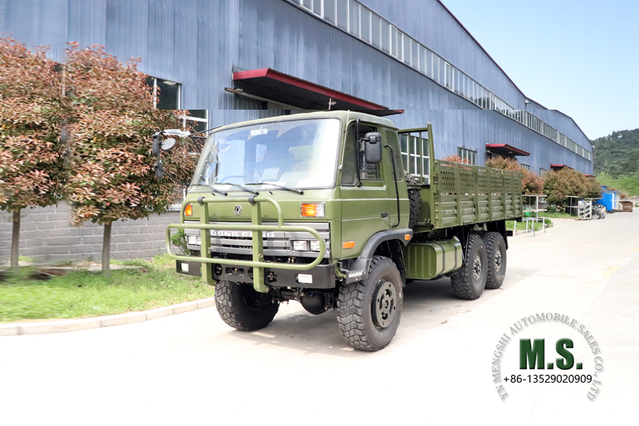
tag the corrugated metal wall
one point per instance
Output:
(198, 43)
(429, 22)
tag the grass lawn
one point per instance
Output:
(521, 226)
(81, 294)
(557, 215)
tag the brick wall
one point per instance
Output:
(47, 235)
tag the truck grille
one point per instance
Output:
(276, 243)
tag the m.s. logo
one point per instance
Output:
(532, 355)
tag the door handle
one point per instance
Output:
(384, 215)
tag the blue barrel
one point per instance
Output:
(609, 199)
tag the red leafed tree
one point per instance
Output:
(31, 154)
(559, 185)
(453, 158)
(531, 184)
(113, 119)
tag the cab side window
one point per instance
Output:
(354, 155)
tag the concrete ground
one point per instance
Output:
(193, 369)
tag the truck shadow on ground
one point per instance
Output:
(425, 304)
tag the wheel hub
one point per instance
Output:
(498, 262)
(384, 305)
(476, 268)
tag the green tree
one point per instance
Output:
(617, 154)
(111, 126)
(31, 154)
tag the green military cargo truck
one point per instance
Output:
(338, 210)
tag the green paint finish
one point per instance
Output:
(426, 261)
(465, 194)
(357, 205)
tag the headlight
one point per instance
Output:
(315, 245)
(194, 240)
(300, 245)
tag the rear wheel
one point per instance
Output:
(368, 312)
(243, 308)
(496, 259)
(470, 280)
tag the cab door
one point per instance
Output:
(364, 193)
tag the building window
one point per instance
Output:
(394, 41)
(386, 34)
(525, 166)
(365, 24)
(414, 151)
(198, 119)
(342, 14)
(329, 11)
(376, 30)
(166, 93)
(468, 156)
(542, 172)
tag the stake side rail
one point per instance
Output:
(465, 194)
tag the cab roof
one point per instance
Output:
(344, 116)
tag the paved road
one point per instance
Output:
(193, 369)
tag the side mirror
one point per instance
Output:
(167, 144)
(373, 147)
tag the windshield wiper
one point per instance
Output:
(240, 186)
(217, 191)
(299, 191)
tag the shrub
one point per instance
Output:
(559, 185)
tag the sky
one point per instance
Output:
(580, 57)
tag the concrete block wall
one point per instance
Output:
(46, 234)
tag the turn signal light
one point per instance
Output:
(312, 209)
(348, 244)
(188, 210)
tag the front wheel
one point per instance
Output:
(368, 312)
(243, 308)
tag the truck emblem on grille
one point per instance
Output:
(238, 210)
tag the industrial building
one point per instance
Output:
(232, 60)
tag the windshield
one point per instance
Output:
(297, 154)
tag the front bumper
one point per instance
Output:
(319, 277)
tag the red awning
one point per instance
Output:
(278, 87)
(559, 166)
(505, 150)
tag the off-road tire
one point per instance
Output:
(243, 308)
(369, 311)
(415, 201)
(496, 257)
(470, 280)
